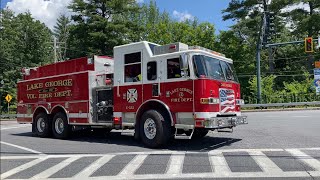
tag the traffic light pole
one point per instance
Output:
(258, 54)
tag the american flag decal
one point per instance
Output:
(227, 100)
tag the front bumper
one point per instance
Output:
(224, 122)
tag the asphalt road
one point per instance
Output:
(274, 145)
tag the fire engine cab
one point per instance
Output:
(159, 92)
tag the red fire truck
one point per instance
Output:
(159, 92)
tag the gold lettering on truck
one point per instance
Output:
(66, 82)
(48, 92)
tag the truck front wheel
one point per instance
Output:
(154, 129)
(60, 126)
(42, 125)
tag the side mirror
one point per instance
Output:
(107, 64)
(184, 66)
(184, 62)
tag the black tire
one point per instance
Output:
(198, 133)
(60, 126)
(42, 125)
(162, 127)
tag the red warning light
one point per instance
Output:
(308, 44)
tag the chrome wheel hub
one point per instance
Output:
(59, 126)
(150, 129)
(41, 125)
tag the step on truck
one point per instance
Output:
(159, 92)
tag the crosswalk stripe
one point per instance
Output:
(175, 163)
(48, 172)
(22, 167)
(174, 167)
(218, 163)
(132, 166)
(93, 167)
(305, 158)
(264, 162)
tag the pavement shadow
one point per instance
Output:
(204, 144)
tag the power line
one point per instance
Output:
(300, 58)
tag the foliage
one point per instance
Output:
(61, 31)
(267, 86)
(304, 86)
(25, 42)
(100, 25)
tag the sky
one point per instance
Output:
(47, 11)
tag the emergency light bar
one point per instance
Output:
(170, 48)
(207, 50)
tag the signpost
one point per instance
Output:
(8, 99)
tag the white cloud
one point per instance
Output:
(139, 1)
(46, 11)
(300, 5)
(182, 16)
(289, 24)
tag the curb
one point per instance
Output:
(8, 119)
(288, 109)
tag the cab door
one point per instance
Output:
(176, 88)
(129, 92)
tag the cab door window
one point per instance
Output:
(152, 71)
(173, 68)
(132, 67)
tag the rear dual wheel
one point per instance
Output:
(42, 125)
(60, 126)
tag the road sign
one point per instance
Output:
(316, 73)
(317, 80)
(8, 98)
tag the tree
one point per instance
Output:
(61, 32)
(25, 42)
(294, 20)
(100, 25)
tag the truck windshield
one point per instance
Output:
(208, 67)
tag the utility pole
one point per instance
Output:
(55, 48)
(259, 47)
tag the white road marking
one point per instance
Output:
(21, 147)
(175, 164)
(132, 166)
(146, 153)
(15, 127)
(93, 167)
(301, 116)
(305, 158)
(211, 175)
(264, 162)
(52, 170)
(22, 167)
(218, 163)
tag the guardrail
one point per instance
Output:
(281, 104)
(8, 116)
(261, 106)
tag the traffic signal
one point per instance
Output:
(308, 44)
(270, 22)
(269, 27)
